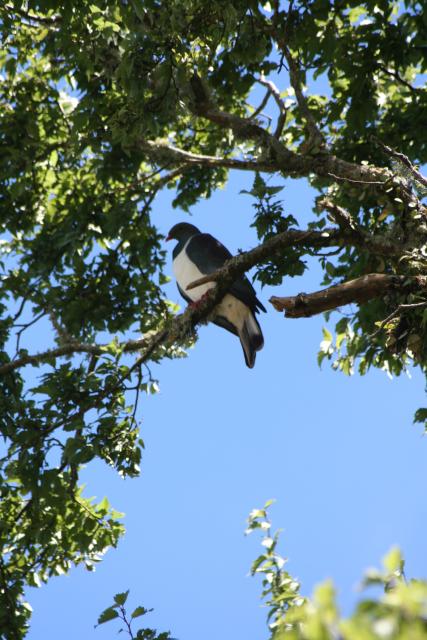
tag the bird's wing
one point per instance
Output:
(209, 255)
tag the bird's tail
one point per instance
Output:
(251, 338)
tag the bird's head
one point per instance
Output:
(182, 231)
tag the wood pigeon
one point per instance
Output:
(198, 254)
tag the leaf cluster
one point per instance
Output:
(397, 613)
(118, 611)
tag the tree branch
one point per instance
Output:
(359, 290)
(161, 150)
(341, 216)
(315, 138)
(183, 324)
(418, 176)
(398, 77)
(283, 112)
(279, 157)
(329, 237)
(396, 312)
(258, 110)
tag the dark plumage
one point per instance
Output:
(197, 254)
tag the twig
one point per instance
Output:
(20, 310)
(127, 622)
(261, 106)
(314, 135)
(25, 508)
(137, 392)
(404, 160)
(160, 184)
(283, 112)
(398, 77)
(24, 327)
(174, 154)
(346, 179)
(396, 312)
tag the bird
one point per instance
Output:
(198, 254)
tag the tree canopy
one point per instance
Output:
(104, 104)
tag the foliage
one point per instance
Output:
(398, 614)
(118, 611)
(102, 105)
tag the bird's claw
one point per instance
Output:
(196, 303)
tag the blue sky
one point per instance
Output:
(340, 455)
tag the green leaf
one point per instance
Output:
(393, 561)
(327, 335)
(421, 415)
(139, 611)
(107, 615)
(120, 598)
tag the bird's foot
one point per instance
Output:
(197, 303)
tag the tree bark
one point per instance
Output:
(359, 290)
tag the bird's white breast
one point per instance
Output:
(186, 272)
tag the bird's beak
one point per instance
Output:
(168, 238)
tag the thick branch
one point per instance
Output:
(292, 163)
(360, 290)
(329, 237)
(183, 324)
(279, 157)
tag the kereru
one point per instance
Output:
(198, 254)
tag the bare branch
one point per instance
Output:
(248, 259)
(315, 138)
(62, 337)
(24, 327)
(261, 106)
(64, 350)
(359, 290)
(20, 309)
(274, 91)
(168, 177)
(346, 179)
